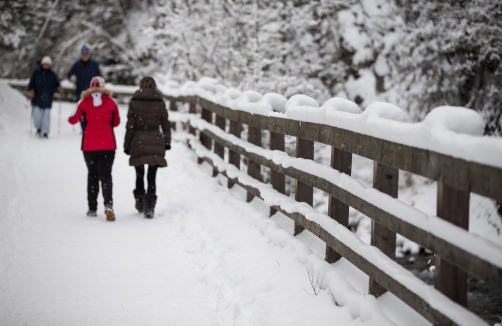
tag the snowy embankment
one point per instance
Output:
(206, 258)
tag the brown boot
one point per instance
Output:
(110, 215)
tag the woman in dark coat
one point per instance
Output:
(145, 142)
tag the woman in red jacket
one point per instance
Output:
(98, 142)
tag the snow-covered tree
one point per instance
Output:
(452, 55)
(417, 54)
(59, 28)
(16, 20)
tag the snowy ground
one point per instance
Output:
(205, 259)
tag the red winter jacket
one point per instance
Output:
(100, 120)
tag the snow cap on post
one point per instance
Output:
(168, 87)
(188, 88)
(247, 102)
(457, 119)
(206, 88)
(208, 84)
(385, 111)
(303, 108)
(220, 96)
(340, 111)
(301, 100)
(233, 93)
(220, 89)
(341, 105)
(208, 80)
(172, 84)
(272, 102)
(227, 96)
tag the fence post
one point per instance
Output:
(277, 179)
(386, 180)
(233, 157)
(191, 109)
(173, 107)
(218, 148)
(453, 206)
(205, 140)
(303, 192)
(254, 169)
(341, 161)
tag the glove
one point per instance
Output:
(73, 79)
(126, 151)
(168, 147)
(31, 94)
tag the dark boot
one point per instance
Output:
(150, 201)
(140, 201)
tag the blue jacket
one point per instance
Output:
(44, 83)
(84, 72)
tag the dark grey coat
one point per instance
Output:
(144, 139)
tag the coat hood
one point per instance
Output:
(148, 94)
(96, 93)
(91, 90)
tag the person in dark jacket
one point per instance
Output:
(98, 142)
(145, 142)
(82, 72)
(43, 84)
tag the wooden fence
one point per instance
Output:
(456, 178)
(457, 255)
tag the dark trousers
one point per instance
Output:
(99, 165)
(150, 177)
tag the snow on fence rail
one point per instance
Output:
(462, 162)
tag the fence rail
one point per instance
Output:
(458, 252)
(460, 174)
(459, 255)
(417, 302)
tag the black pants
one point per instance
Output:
(150, 177)
(99, 165)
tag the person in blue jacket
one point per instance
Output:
(82, 72)
(43, 84)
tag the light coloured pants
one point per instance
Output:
(42, 119)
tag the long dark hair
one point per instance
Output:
(147, 82)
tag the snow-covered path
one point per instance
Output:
(207, 258)
(182, 268)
